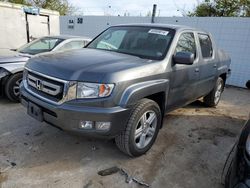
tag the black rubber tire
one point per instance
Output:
(9, 87)
(209, 100)
(125, 141)
(248, 84)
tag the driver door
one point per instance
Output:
(184, 78)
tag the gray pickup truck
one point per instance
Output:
(124, 81)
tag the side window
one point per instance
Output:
(206, 46)
(186, 43)
(73, 45)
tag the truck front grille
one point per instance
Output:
(44, 86)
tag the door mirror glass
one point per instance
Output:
(185, 58)
(185, 51)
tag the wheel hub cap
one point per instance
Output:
(16, 87)
(145, 129)
(218, 92)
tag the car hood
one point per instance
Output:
(87, 65)
(7, 56)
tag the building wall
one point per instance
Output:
(93, 25)
(231, 34)
(13, 25)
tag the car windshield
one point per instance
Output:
(144, 42)
(45, 44)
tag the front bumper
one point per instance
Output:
(67, 116)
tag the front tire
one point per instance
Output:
(12, 87)
(141, 130)
(213, 98)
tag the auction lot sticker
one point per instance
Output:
(158, 32)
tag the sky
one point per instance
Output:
(133, 7)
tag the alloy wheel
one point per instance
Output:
(145, 129)
(218, 92)
(16, 87)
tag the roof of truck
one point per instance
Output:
(170, 26)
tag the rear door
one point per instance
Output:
(208, 64)
(184, 78)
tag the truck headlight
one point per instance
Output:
(93, 90)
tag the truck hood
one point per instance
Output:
(8, 56)
(85, 64)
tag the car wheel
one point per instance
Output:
(12, 87)
(213, 98)
(141, 130)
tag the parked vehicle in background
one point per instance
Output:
(237, 166)
(124, 81)
(12, 62)
(248, 84)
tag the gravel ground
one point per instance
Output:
(189, 152)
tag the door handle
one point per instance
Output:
(215, 65)
(197, 70)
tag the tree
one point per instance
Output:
(219, 8)
(62, 6)
(23, 2)
(203, 9)
(245, 7)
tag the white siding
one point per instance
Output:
(13, 25)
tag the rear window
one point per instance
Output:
(206, 45)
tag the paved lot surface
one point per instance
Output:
(189, 152)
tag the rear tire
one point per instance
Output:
(12, 87)
(213, 98)
(141, 130)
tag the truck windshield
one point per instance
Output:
(45, 44)
(144, 42)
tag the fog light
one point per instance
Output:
(86, 124)
(102, 126)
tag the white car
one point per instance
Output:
(12, 61)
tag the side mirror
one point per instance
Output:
(184, 58)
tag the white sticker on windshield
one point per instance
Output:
(158, 32)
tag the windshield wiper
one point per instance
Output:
(117, 51)
(137, 55)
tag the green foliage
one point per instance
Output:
(62, 6)
(203, 9)
(219, 8)
(23, 2)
